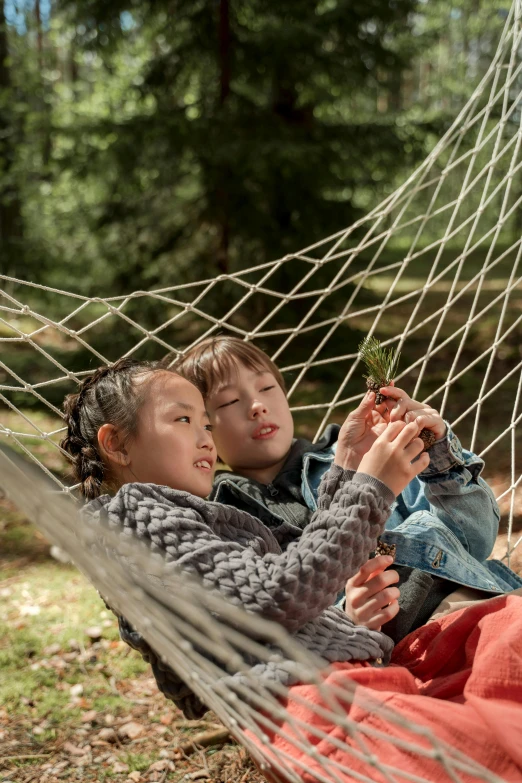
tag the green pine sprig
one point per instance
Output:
(382, 363)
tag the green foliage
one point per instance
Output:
(145, 144)
(166, 147)
(381, 363)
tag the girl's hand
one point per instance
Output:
(390, 457)
(359, 432)
(371, 600)
(402, 407)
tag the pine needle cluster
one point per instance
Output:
(382, 365)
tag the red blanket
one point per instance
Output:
(458, 678)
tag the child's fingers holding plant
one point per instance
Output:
(390, 457)
(371, 598)
(358, 433)
(402, 407)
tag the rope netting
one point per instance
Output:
(211, 644)
(433, 270)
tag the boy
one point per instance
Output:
(443, 525)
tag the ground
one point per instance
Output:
(77, 703)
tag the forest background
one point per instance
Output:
(148, 144)
(153, 143)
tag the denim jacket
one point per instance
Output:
(446, 520)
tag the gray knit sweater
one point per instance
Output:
(236, 555)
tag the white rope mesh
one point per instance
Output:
(431, 270)
(185, 622)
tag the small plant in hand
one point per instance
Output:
(383, 548)
(382, 365)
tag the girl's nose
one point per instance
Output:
(206, 441)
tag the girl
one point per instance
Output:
(143, 433)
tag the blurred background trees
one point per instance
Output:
(151, 142)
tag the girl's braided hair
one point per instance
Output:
(110, 395)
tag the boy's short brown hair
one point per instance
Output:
(211, 362)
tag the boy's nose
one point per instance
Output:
(257, 408)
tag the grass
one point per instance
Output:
(59, 687)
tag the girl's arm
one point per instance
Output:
(293, 587)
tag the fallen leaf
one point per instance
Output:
(167, 719)
(120, 766)
(89, 716)
(74, 750)
(107, 735)
(131, 730)
(134, 776)
(52, 649)
(77, 690)
(94, 632)
(109, 719)
(160, 766)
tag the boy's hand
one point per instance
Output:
(371, 600)
(390, 457)
(359, 432)
(402, 407)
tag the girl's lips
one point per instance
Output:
(265, 431)
(204, 465)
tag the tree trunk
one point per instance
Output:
(10, 208)
(224, 92)
(44, 106)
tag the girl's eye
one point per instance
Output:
(226, 404)
(267, 388)
(184, 419)
(208, 427)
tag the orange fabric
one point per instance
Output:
(459, 677)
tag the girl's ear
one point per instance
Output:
(111, 445)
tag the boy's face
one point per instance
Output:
(251, 422)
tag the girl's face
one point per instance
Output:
(173, 445)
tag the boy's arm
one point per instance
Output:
(460, 497)
(452, 485)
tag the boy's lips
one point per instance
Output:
(265, 431)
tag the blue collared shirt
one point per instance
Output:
(446, 520)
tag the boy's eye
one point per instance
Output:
(226, 404)
(209, 427)
(267, 388)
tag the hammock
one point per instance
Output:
(427, 268)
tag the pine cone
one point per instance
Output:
(428, 438)
(383, 548)
(374, 386)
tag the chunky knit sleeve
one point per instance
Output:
(291, 587)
